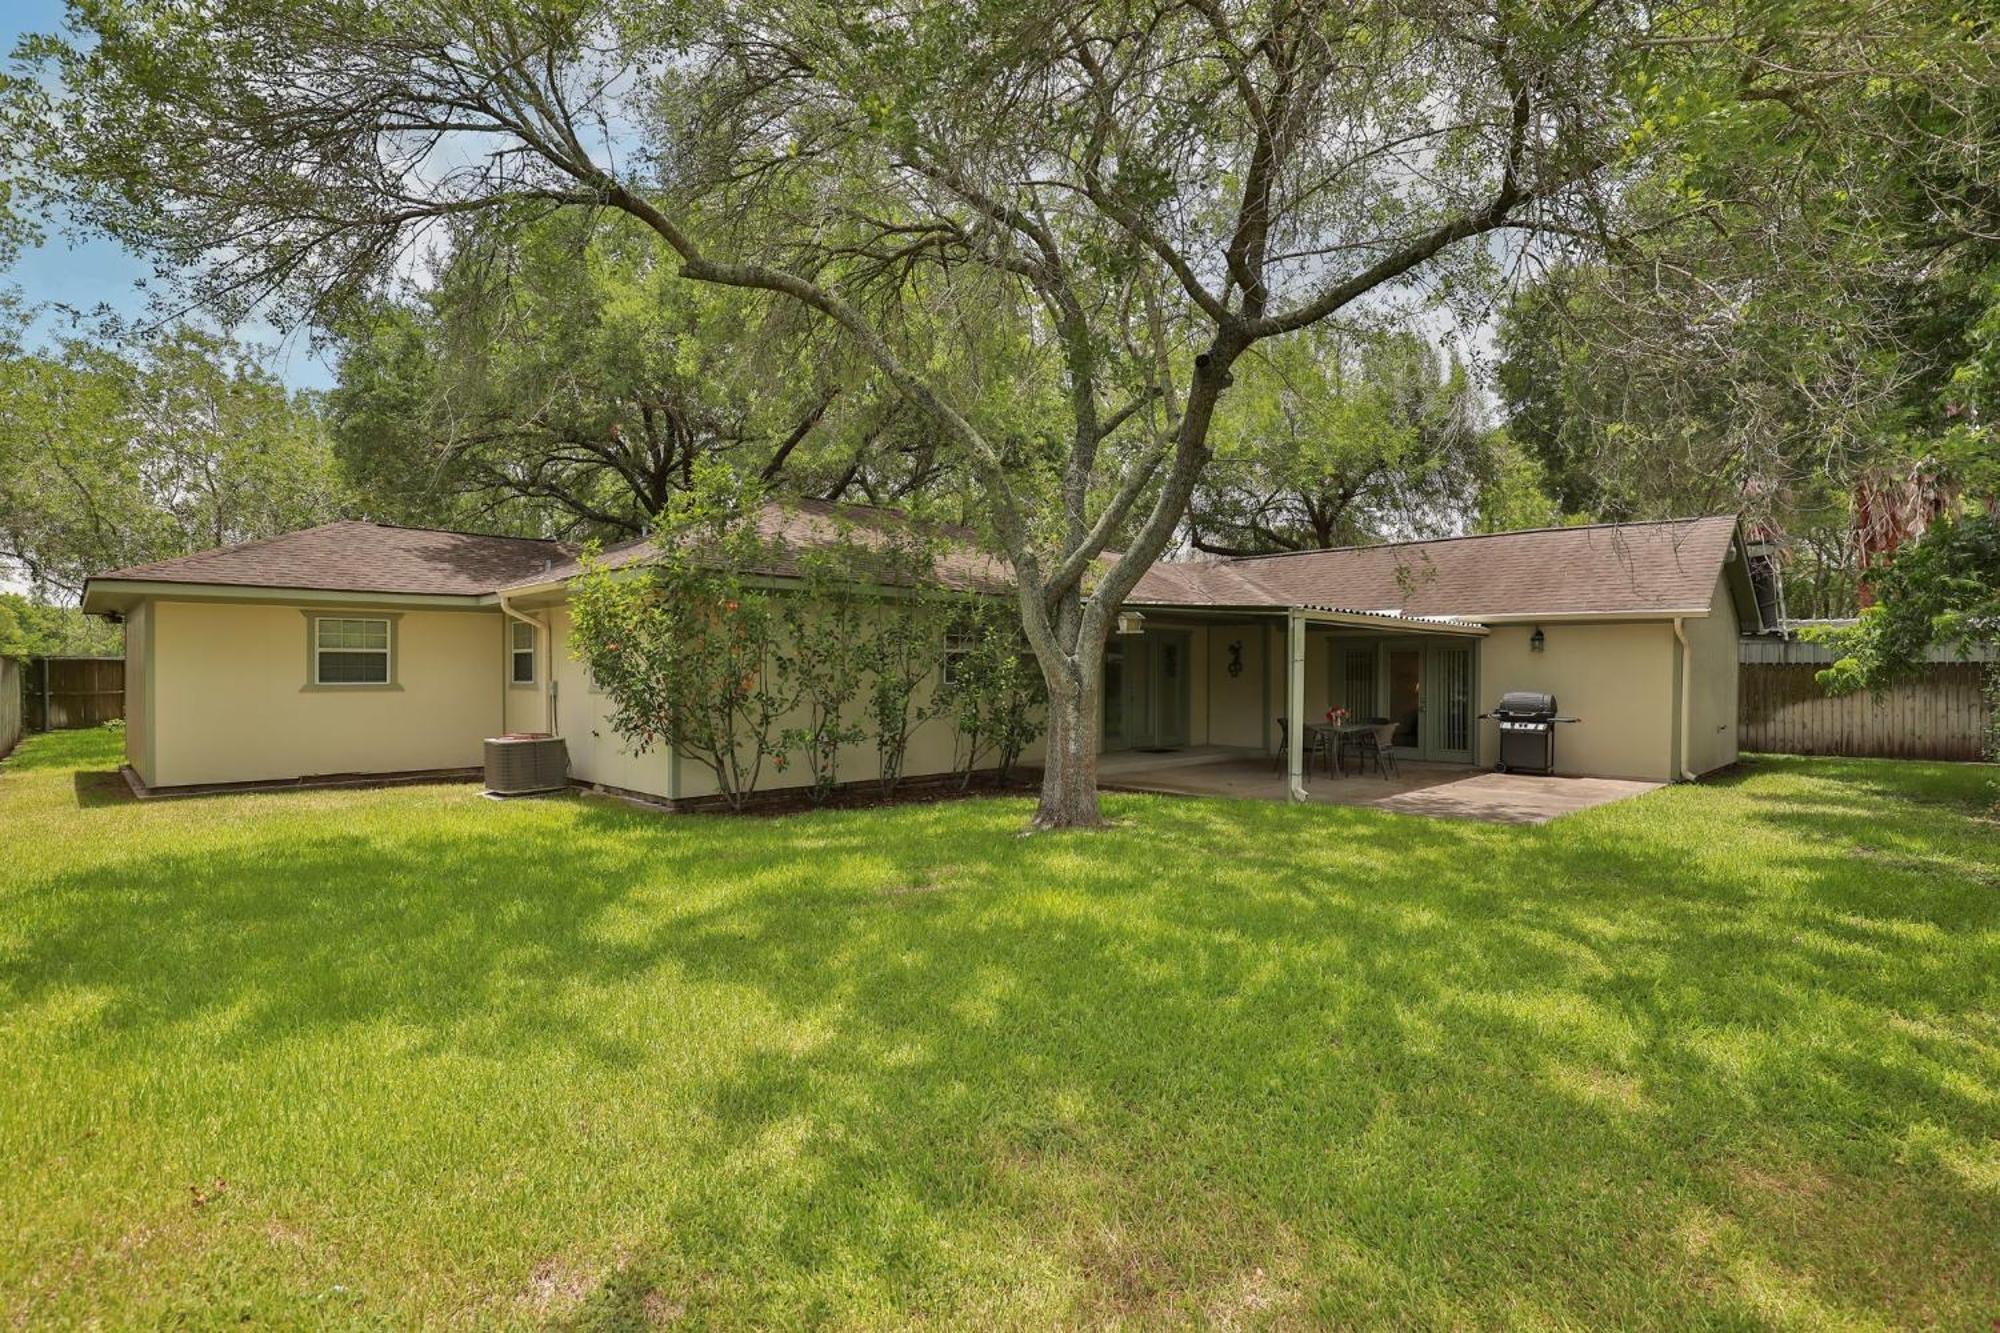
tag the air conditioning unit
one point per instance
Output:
(517, 765)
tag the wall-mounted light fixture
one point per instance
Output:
(1131, 622)
(1537, 641)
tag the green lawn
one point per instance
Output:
(1722, 1055)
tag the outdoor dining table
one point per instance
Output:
(1333, 731)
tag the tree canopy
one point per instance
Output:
(32, 629)
(558, 378)
(112, 456)
(1809, 350)
(1338, 438)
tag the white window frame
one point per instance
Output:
(958, 644)
(387, 652)
(515, 650)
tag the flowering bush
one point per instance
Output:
(995, 694)
(686, 650)
(696, 652)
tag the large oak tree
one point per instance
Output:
(560, 378)
(1117, 199)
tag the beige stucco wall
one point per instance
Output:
(229, 703)
(139, 711)
(596, 754)
(1712, 643)
(1618, 677)
(1236, 704)
(526, 705)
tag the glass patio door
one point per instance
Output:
(1406, 695)
(1445, 715)
(1426, 690)
(1170, 691)
(1146, 691)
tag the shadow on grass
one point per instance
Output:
(1224, 1061)
(96, 787)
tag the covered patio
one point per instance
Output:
(1415, 787)
(1199, 701)
(1182, 680)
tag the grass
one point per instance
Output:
(1725, 1055)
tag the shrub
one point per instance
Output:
(689, 649)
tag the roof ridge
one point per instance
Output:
(1476, 536)
(448, 532)
(833, 508)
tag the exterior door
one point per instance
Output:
(1404, 687)
(1445, 713)
(1170, 690)
(1128, 694)
(1146, 691)
(1116, 669)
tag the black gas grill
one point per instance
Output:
(1527, 732)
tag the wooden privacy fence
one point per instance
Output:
(1940, 714)
(10, 703)
(60, 693)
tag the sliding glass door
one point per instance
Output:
(1406, 694)
(1425, 688)
(1446, 715)
(1147, 696)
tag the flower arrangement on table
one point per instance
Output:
(1337, 716)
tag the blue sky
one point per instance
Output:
(83, 273)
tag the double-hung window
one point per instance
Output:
(351, 650)
(958, 645)
(522, 655)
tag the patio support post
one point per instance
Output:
(1295, 705)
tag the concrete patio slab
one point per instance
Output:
(1449, 791)
(1512, 798)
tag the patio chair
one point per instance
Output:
(1375, 744)
(1318, 741)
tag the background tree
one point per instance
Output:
(1941, 589)
(1107, 205)
(1803, 354)
(558, 378)
(111, 456)
(1336, 438)
(1515, 493)
(31, 629)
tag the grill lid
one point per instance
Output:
(1527, 703)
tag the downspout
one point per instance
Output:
(548, 685)
(1687, 674)
(1295, 705)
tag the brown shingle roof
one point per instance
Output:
(1608, 569)
(1605, 569)
(356, 556)
(794, 526)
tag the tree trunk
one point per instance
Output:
(1069, 773)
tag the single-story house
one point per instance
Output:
(364, 648)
